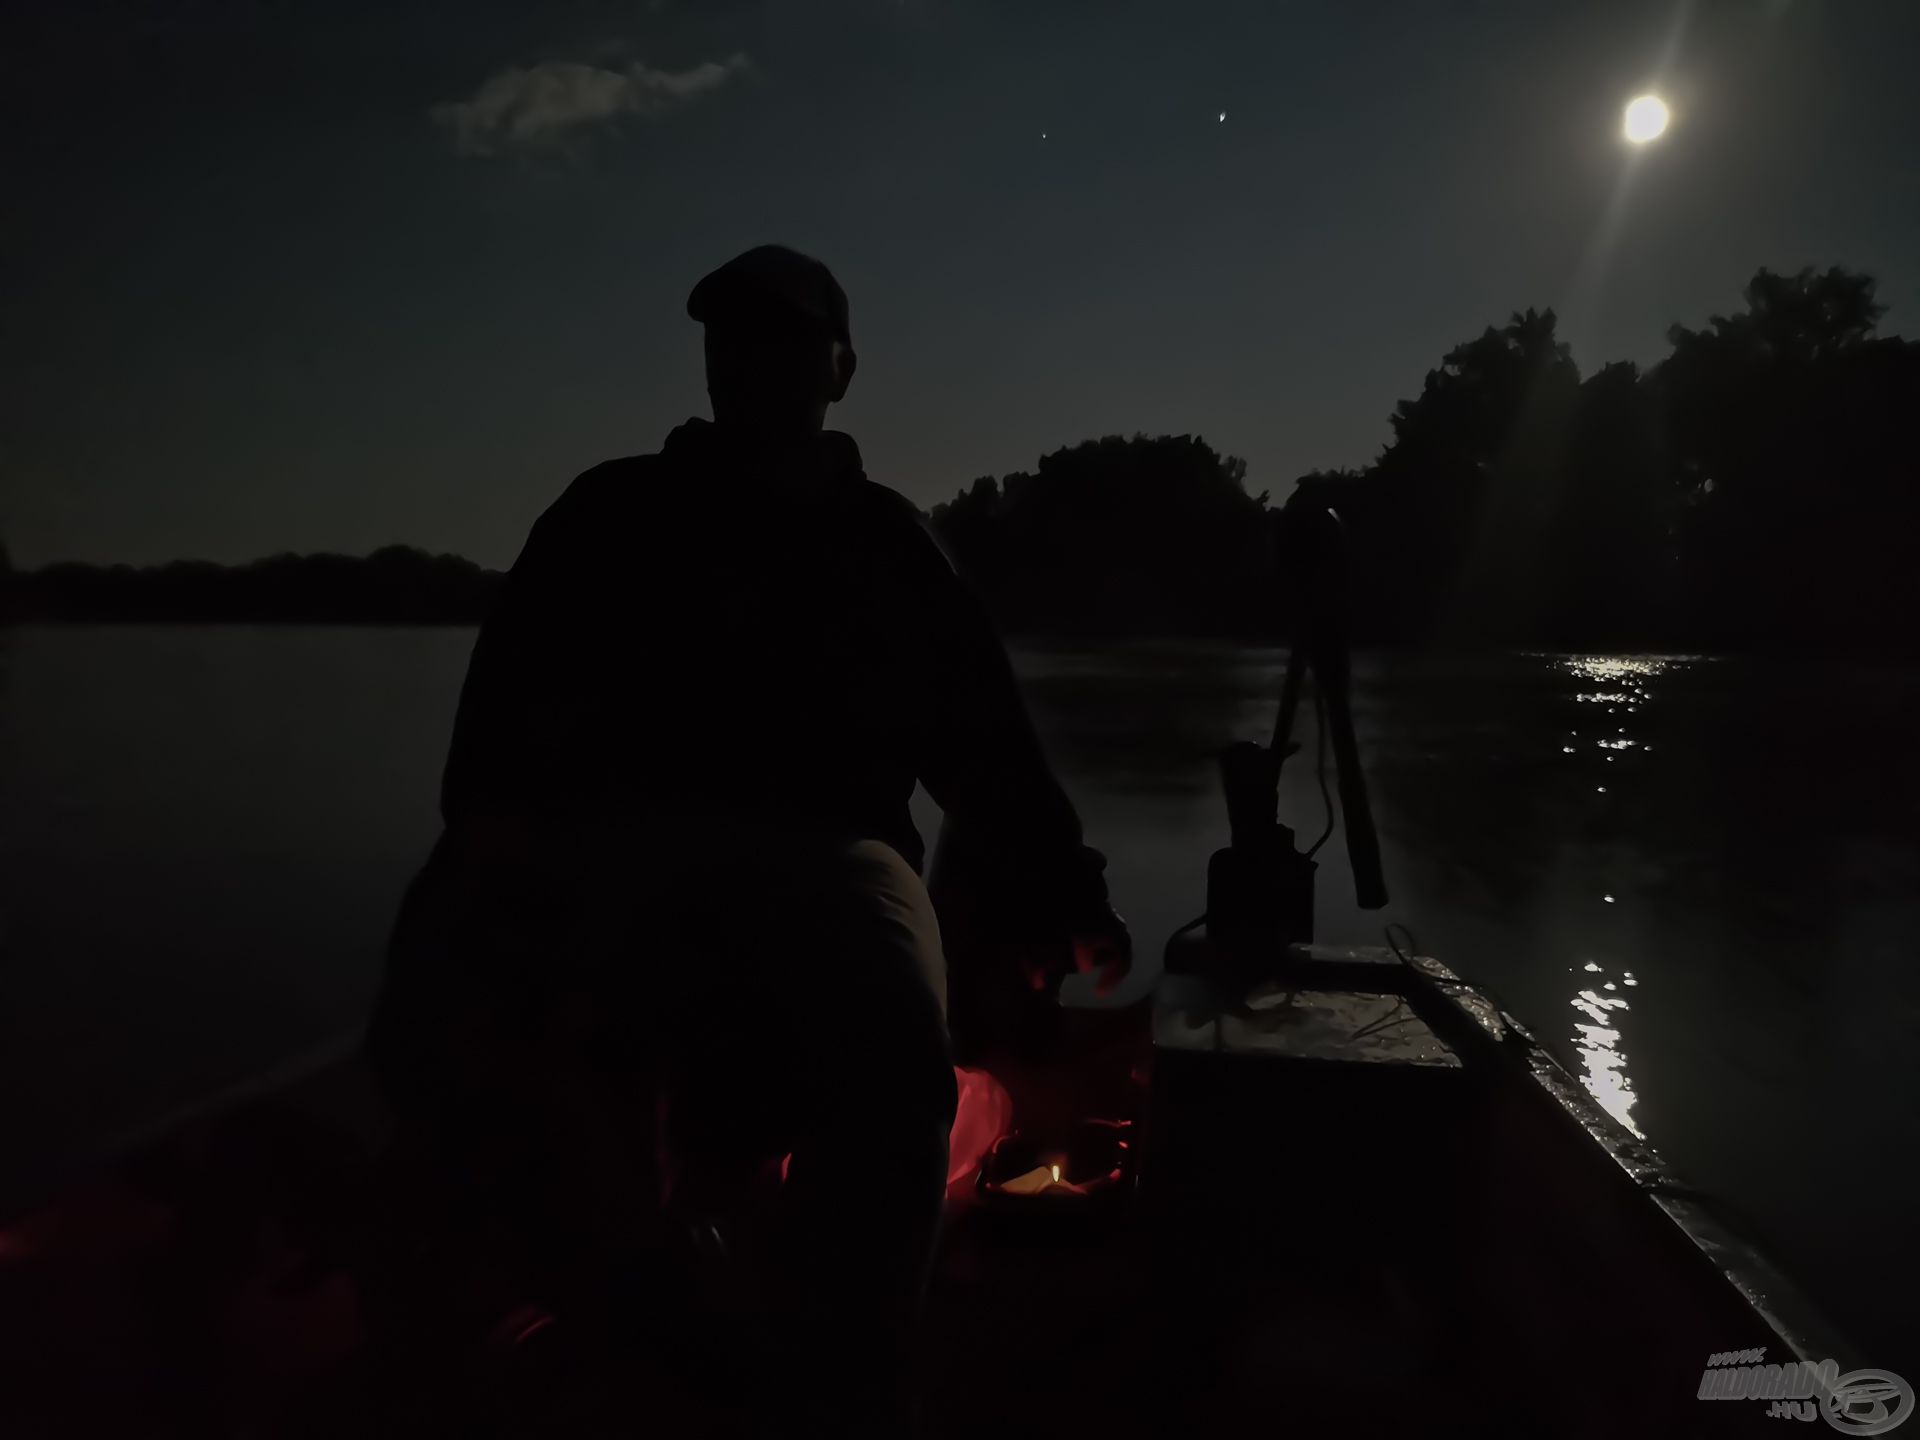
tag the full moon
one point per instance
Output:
(1646, 119)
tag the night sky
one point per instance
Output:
(329, 276)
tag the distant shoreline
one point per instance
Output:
(397, 585)
(240, 622)
(1072, 642)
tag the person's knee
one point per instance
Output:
(896, 1063)
(842, 1001)
(882, 1057)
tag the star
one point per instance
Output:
(1223, 117)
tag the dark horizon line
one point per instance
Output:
(226, 566)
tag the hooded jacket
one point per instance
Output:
(686, 637)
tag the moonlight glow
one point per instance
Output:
(1646, 119)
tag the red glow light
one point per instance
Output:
(983, 1115)
(521, 1325)
(532, 1329)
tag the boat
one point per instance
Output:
(1305, 1190)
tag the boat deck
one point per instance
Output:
(1319, 1243)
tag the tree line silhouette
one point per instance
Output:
(1757, 487)
(1118, 536)
(1760, 486)
(394, 585)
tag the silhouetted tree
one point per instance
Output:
(1795, 453)
(1140, 535)
(1609, 546)
(1451, 524)
(1758, 487)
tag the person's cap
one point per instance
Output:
(768, 280)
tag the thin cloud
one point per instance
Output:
(520, 107)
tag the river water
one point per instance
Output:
(1698, 878)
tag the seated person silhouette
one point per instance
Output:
(675, 926)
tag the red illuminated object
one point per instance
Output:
(984, 1115)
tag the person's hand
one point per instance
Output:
(1099, 946)
(1106, 953)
